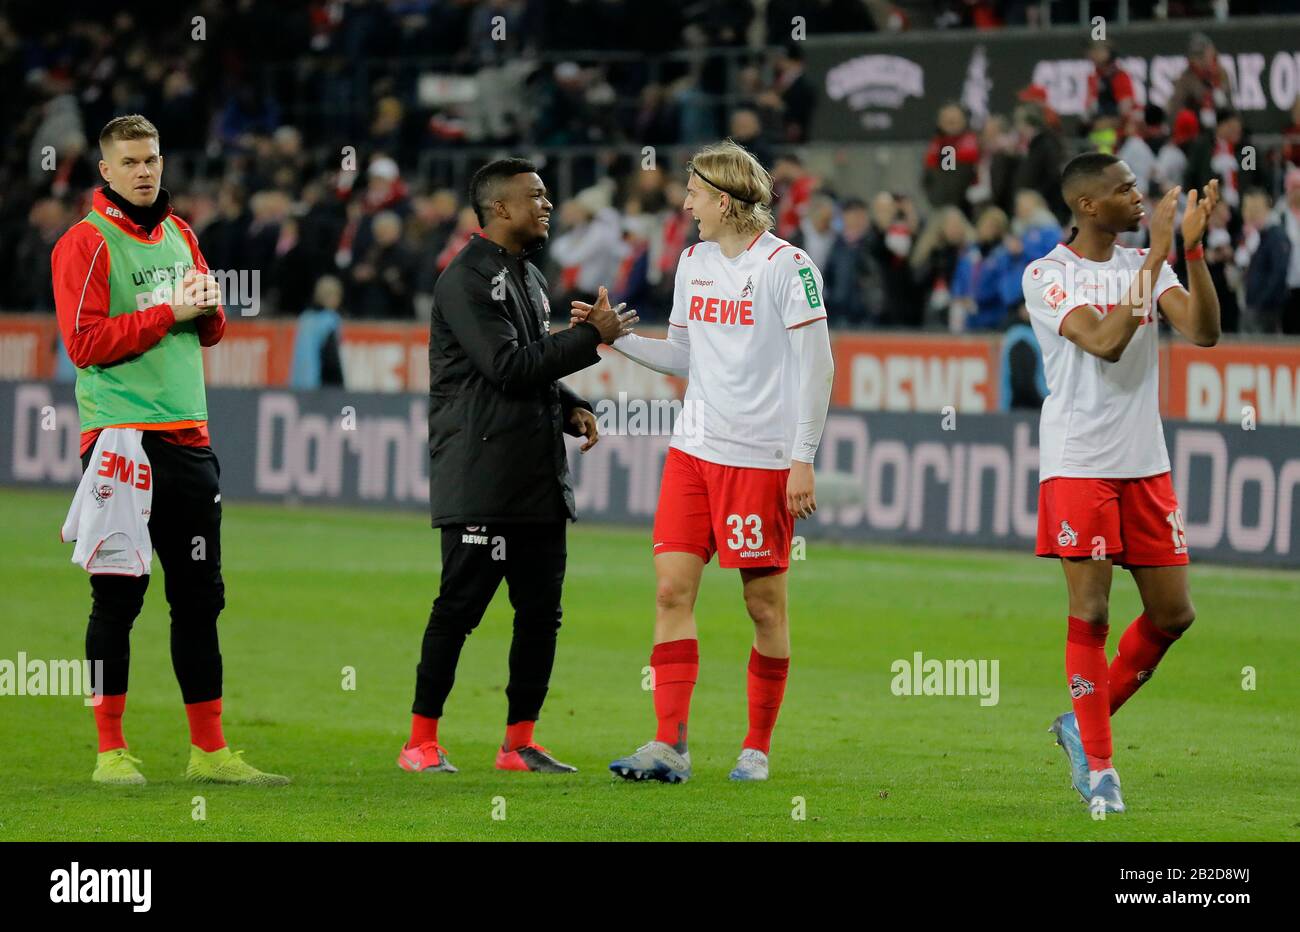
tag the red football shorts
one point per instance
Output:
(1135, 522)
(736, 512)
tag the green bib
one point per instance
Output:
(165, 383)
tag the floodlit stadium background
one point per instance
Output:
(314, 140)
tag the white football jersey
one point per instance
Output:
(1102, 419)
(741, 404)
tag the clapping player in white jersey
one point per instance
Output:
(1105, 496)
(748, 330)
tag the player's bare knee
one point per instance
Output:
(1094, 613)
(765, 611)
(1174, 621)
(673, 595)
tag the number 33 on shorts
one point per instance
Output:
(746, 532)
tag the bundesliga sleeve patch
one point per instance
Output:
(810, 288)
(1054, 296)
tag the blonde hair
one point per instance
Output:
(998, 214)
(930, 238)
(731, 169)
(131, 126)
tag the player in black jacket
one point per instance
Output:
(499, 483)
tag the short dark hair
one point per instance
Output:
(1084, 168)
(484, 187)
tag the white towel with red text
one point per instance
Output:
(109, 515)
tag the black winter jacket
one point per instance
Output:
(496, 411)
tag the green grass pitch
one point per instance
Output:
(311, 592)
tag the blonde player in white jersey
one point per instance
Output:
(748, 330)
(1105, 495)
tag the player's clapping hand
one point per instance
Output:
(1162, 223)
(800, 494)
(1197, 215)
(585, 423)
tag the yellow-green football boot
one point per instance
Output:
(226, 766)
(117, 768)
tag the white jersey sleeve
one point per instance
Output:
(797, 282)
(677, 317)
(816, 363)
(670, 356)
(1050, 293)
(1165, 280)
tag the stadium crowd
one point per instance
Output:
(367, 235)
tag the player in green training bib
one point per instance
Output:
(136, 305)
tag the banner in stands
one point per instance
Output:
(891, 86)
(29, 346)
(1233, 382)
(887, 476)
(888, 372)
(873, 371)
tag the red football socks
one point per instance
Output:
(1140, 649)
(675, 666)
(205, 725)
(518, 735)
(1086, 673)
(766, 688)
(423, 730)
(108, 722)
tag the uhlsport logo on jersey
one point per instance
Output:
(1079, 687)
(1068, 537)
